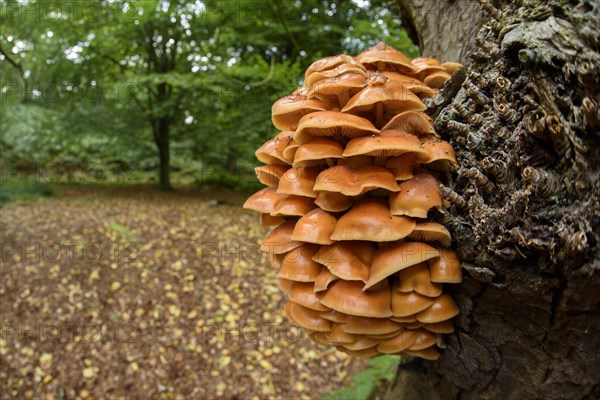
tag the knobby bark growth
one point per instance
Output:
(523, 117)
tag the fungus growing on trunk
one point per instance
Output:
(355, 180)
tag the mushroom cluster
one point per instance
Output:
(352, 188)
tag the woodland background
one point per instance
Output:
(98, 87)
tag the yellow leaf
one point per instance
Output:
(266, 365)
(224, 361)
(115, 286)
(45, 360)
(174, 310)
(89, 372)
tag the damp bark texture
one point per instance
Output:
(523, 118)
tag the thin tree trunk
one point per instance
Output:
(523, 118)
(161, 138)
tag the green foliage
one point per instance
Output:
(11, 190)
(365, 383)
(91, 84)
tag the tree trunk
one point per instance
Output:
(161, 138)
(523, 118)
(443, 29)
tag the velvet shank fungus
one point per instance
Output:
(352, 185)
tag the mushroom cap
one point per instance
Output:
(355, 181)
(348, 297)
(332, 123)
(298, 264)
(416, 196)
(334, 316)
(405, 320)
(333, 202)
(398, 343)
(437, 79)
(404, 167)
(276, 259)
(342, 69)
(431, 231)
(413, 84)
(388, 143)
(365, 353)
(440, 327)
(362, 344)
(287, 111)
(328, 63)
(263, 201)
(450, 66)
(371, 220)
(293, 206)
(369, 326)
(280, 239)
(271, 152)
(348, 260)
(393, 95)
(386, 335)
(442, 309)
(339, 336)
(290, 151)
(317, 151)
(270, 220)
(285, 285)
(429, 353)
(425, 66)
(413, 325)
(384, 57)
(446, 267)
(298, 181)
(415, 122)
(307, 318)
(348, 80)
(300, 91)
(302, 293)
(416, 278)
(270, 174)
(424, 340)
(440, 156)
(407, 304)
(324, 279)
(316, 226)
(318, 337)
(396, 257)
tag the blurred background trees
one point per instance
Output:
(168, 89)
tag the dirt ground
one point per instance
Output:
(132, 293)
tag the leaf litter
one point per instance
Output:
(130, 292)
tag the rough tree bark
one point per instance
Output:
(523, 117)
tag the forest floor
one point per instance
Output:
(127, 292)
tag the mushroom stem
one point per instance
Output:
(379, 115)
(330, 162)
(379, 161)
(343, 98)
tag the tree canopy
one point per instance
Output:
(109, 82)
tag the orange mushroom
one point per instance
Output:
(416, 196)
(355, 181)
(371, 220)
